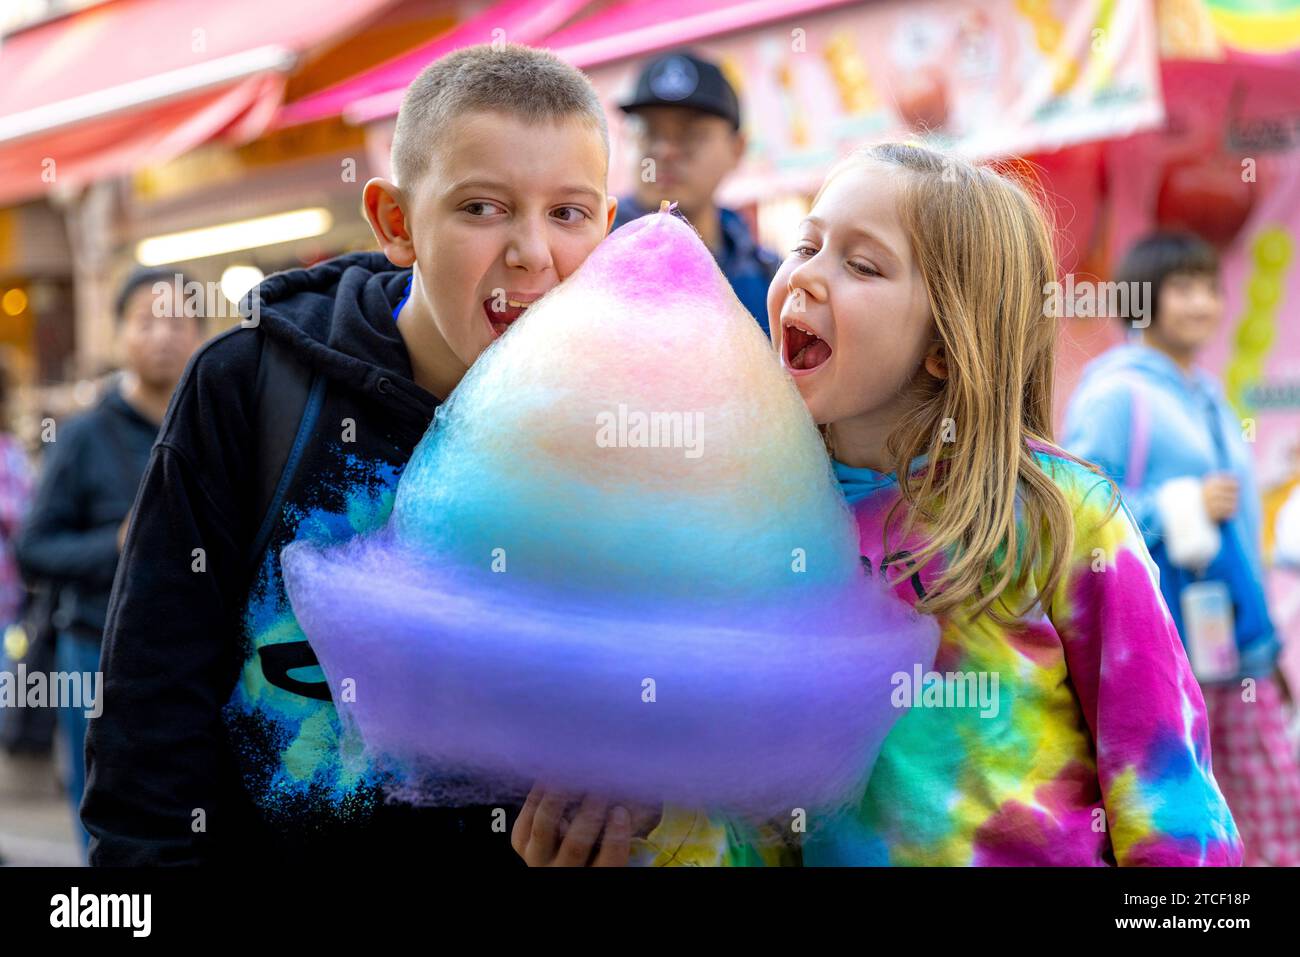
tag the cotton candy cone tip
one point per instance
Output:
(470, 689)
(656, 257)
(632, 430)
(625, 488)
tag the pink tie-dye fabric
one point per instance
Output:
(1092, 747)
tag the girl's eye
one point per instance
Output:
(804, 250)
(864, 269)
(578, 214)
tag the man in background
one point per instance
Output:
(82, 506)
(685, 117)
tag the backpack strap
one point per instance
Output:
(288, 399)
(1139, 443)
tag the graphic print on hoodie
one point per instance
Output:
(295, 762)
(208, 703)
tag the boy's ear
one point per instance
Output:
(936, 362)
(611, 213)
(382, 203)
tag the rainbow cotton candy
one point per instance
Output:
(618, 562)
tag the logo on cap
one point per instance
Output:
(674, 79)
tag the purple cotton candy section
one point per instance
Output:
(472, 685)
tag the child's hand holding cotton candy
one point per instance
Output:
(555, 830)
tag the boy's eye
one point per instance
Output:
(480, 208)
(576, 215)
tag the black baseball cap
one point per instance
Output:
(684, 79)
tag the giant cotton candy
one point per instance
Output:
(618, 562)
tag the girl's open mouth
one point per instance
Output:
(803, 350)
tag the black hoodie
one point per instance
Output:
(217, 742)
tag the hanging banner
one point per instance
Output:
(990, 78)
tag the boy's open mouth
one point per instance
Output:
(804, 350)
(501, 314)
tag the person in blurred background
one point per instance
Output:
(685, 118)
(15, 495)
(88, 484)
(1161, 428)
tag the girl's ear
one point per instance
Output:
(935, 362)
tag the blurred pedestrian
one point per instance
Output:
(1162, 429)
(88, 484)
(685, 117)
(17, 728)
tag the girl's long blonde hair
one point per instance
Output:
(984, 249)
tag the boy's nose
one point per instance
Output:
(529, 249)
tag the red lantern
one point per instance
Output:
(1207, 196)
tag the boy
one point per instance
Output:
(219, 741)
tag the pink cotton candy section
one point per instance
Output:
(633, 268)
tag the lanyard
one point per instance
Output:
(1216, 430)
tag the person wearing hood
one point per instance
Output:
(219, 741)
(1162, 429)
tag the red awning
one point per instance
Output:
(629, 29)
(130, 82)
(518, 21)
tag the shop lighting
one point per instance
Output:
(231, 237)
(14, 302)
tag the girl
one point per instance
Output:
(911, 314)
(1196, 461)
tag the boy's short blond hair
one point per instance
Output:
(533, 85)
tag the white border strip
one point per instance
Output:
(150, 89)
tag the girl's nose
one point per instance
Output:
(807, 279)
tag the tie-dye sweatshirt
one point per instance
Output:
(1087, 743)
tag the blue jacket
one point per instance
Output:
(1181, 411)
(747, 265)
